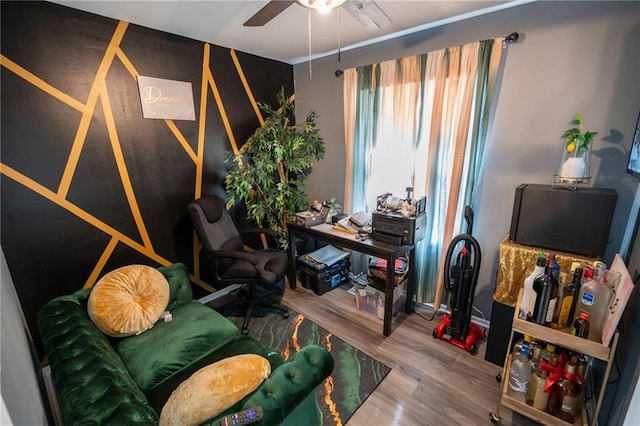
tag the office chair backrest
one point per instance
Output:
(213, 224)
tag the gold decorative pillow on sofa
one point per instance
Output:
(213, 389)
(128, 300)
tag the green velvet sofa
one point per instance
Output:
(103, 380)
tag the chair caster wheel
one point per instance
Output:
(285, 315)
(495, 418)
(245, 331)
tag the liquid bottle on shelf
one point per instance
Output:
(517, 347)
(536, 396)
(528, 294)
(576, 269)
(565, 395)
(565, 301)
(520, 370)
(594, 299)
(546, 288)
(535, 367)
(547, 354)
(581, 325)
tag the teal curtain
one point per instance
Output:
(434, 142)
(367, 111)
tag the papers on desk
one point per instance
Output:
(328, 255)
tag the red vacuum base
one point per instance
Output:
(470, 344)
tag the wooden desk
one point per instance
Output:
(389, 252)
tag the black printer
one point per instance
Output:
(391, 225)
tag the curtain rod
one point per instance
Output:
(511, 38)
(508, 39)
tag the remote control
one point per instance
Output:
(243, 417)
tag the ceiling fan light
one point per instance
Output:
(323, 6)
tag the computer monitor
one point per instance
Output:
(633, 165)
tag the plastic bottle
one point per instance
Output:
(517, 347)
(520, 370)
(594, 299)
(528, 294)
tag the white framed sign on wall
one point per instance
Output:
(166, 99)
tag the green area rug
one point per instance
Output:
(355, 375)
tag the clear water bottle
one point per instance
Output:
(594, 299)
(520, 370)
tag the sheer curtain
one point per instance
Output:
(421, 122)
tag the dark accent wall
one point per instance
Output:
(88, 184)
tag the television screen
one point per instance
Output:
(633, 166)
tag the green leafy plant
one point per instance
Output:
(576, 138)
(271, 170)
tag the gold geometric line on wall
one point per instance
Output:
(223, 112)
(124, 59)
(245, 84)
(206, 53)
(41, 84)
(183, 141)
(77, 211)
(123, 172)
(85, 121)
(97, 270)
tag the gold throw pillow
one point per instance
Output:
(213, 389)
(128, 300)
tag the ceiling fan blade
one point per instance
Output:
(368, 13)
(268, 12)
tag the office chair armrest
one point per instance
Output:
(230, 254)
(267, 232)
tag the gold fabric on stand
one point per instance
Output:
(517, 262)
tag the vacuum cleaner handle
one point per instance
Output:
(468, 216)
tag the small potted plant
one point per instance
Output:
(575, 154)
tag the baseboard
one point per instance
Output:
(52, 396)
(479, 321)
(218, 294)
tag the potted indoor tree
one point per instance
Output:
(271, 170)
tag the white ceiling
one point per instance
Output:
(286, 37)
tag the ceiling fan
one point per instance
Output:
(367, 12)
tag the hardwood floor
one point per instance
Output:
(431, 382)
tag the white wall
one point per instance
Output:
(571, 57)
(18, 382)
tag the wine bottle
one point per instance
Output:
(546, 288)
(575, 288)
(528, 300)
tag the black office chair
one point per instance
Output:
(258, 271)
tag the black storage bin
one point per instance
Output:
(321, 278)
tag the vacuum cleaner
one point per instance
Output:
(460, 279)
